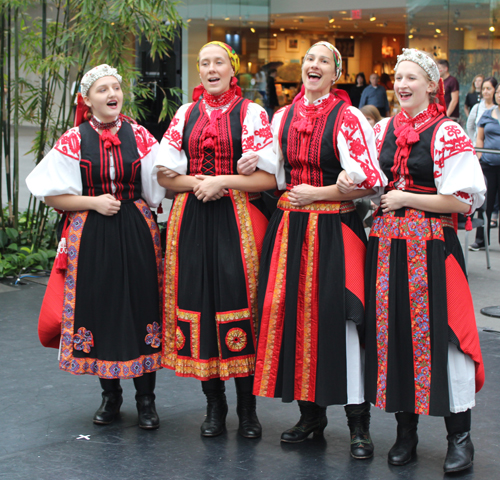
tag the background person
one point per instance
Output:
(372, 114)
(451, 90)
(375, 94)
(357, 89)
(488, 136)
(474, 95)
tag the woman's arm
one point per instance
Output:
(396, 199)
(306, 194)
(208, 186)
(104, 204)
(479, 141)
(179, 183)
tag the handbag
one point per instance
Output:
(50, 318)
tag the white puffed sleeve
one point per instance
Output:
(457, 170)
(170, 154)
(148, 148)
(358, 154)
(257, 138)
(59, 171)
(278, 154)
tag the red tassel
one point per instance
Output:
(208, 143)
(468, 224)
(159, 209)
(61, 261)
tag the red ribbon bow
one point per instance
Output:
(109, 139)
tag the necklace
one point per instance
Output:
(217, 101)
(98, 125)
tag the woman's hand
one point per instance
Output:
(210, 188)
(167, 172)
(393, 200)
(106, 205)
(344, 183)
(247, 164)
(302, 195)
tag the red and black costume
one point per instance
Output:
(111, 323)
(311, 296)
(422, 347)
(213, 248)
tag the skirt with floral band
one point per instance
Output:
(111, 323)
(311, 299)
(417, 302)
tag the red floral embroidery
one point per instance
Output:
(265, 133)
(153, 337)
(83, 340)
(69, 143)
(453, 142)
(144, 140)
(173, 135)
(353, 133)
(248, 143)
(264, 118)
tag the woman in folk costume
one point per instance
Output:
(214, 237)
(422, 348)
(100, 174)
(311, 296)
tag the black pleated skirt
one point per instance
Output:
(111, 320)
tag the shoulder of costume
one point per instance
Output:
(145, 140)
(69, 143)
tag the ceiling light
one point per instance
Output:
(372, 18)
(252, 30)
(438, 30)
(331, 20)
(282, 29)
(492, 28)
(188, 20)
(227, 18)
(410, 36)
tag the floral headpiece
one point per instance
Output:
(337, 58)
(422, 60)
(95, 74)
(233, 56)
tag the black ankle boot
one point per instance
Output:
(405, 447)
(145, 401)
(215, 422)
(358, 420)
(250, 426)
(460, 454)
(312, 420)
(111, 401)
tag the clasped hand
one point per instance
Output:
(302, 195)
(393, 200)
(210, 188)
(107, 205)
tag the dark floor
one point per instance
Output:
(46, 429)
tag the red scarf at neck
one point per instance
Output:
(406, 136)
(305, 125)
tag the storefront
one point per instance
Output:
(369, 35)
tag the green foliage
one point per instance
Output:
(17, 251)
(53, 52)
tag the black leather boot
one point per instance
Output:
(111, 401)
(215, 422)
(312, 420)
(145, 398)
(358, 421)
(250, 426)
(460, 454)
(405, 447)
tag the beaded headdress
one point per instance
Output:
(233, 56)
(95, 74)
(337, 58)
(422, 60)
